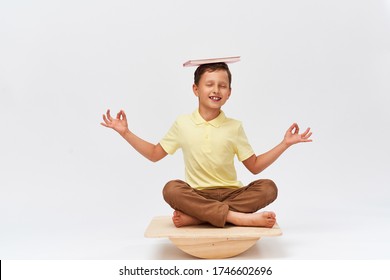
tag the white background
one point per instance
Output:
(72, 189)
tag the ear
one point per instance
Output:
(195, 90)
(230, 92)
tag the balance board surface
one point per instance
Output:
(206, 241)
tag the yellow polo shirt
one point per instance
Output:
(208, 149)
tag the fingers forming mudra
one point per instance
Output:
(119, 123)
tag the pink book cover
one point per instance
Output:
(198, 62)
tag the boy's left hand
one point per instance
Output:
(292, 135)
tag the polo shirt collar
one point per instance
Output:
(217, 122)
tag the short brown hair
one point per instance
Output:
(211, 67)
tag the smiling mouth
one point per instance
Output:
(215, 98)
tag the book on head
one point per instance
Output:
(198, 62)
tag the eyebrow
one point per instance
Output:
(222, 83)
(214, 80)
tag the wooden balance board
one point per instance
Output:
(206, 241)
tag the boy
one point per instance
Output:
(209, 141)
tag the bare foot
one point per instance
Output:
(262, 219)
(180, 219)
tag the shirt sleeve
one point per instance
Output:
(170, 142)
(243, 148)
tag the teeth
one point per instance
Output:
(215, 98)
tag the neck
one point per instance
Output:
(209, 115)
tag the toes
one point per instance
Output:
(270, 215)
(270, 224)
(176, 222)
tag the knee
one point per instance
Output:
(169, 189)
(272, 190)
(268, 188)
(172, 189)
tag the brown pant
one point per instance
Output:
(212, 205)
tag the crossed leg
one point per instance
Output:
(263, 219)
(217, 207)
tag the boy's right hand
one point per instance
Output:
(119, 124)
